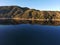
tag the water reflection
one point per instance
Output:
(14, 22)
(29, 32)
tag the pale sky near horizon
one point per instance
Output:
(36, 4)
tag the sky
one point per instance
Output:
(35, 4)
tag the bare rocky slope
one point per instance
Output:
(27, 13)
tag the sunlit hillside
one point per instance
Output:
(22, 13)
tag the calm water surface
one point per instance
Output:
(29, 34)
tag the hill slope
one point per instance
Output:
(26, 13)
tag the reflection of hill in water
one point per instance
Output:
(13, 22)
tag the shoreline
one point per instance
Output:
(31, 19)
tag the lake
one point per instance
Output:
(29, 33)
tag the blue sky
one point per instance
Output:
(36, 4)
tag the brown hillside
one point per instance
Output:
(26, 13)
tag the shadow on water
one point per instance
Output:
(29, 33)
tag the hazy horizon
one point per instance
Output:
(52, 5)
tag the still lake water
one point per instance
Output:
(29, 34)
